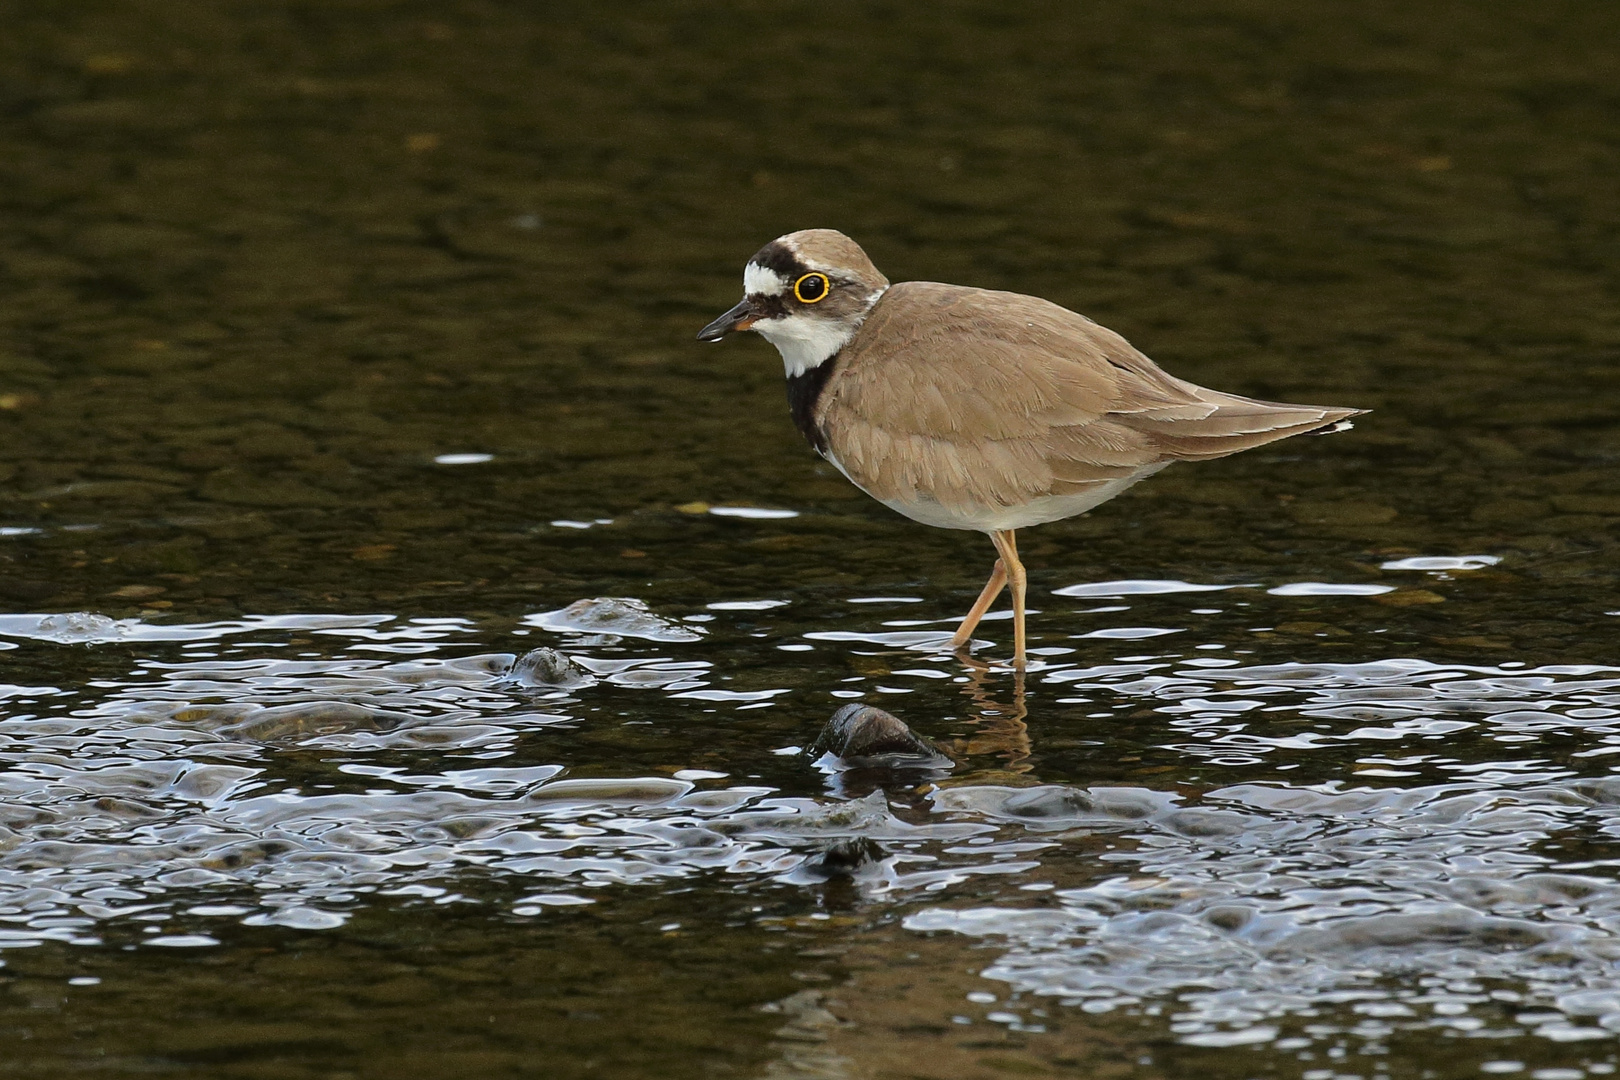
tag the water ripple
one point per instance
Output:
(1445, 860)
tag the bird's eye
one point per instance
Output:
(811, 288)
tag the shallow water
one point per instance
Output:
(346, 358)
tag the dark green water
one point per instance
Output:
(261, 265)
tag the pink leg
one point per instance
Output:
(992, 589)
(1007, 547)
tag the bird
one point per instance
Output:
(966, 408)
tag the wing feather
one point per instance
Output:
(975, 399)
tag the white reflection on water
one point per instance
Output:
(90, 628)
(1326, 588)
(1267, 902)
(1424, 882)
(134, 794)
(1140, 587)
(1437, 563)
(1271, 902)
(752, 513)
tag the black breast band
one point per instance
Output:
(803, 392)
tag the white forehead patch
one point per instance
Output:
(761, 281)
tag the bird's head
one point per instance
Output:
(807, 293)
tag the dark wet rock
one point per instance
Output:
(615, 617)
(861, 736)
(545, 668)
(1229, 917)
(846, 858)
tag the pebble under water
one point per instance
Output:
(417, 651)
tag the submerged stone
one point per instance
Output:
(851, 817)
(80, 627)
(1454, 928)
(863, 736)
(846, 858)
(614, 615)
(310, 719)
(1049, 802)
(1057, 806)
(548, 668)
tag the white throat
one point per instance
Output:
(804, 341)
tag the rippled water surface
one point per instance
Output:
(412, 643)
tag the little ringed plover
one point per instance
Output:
(974, 409)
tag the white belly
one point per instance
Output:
(988, 519)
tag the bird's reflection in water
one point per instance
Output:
(999, 711)
(864, 749)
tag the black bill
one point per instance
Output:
(738, 318)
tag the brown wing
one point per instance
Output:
(977, 398)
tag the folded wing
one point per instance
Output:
(971, 399)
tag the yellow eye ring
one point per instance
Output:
(817, 292)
